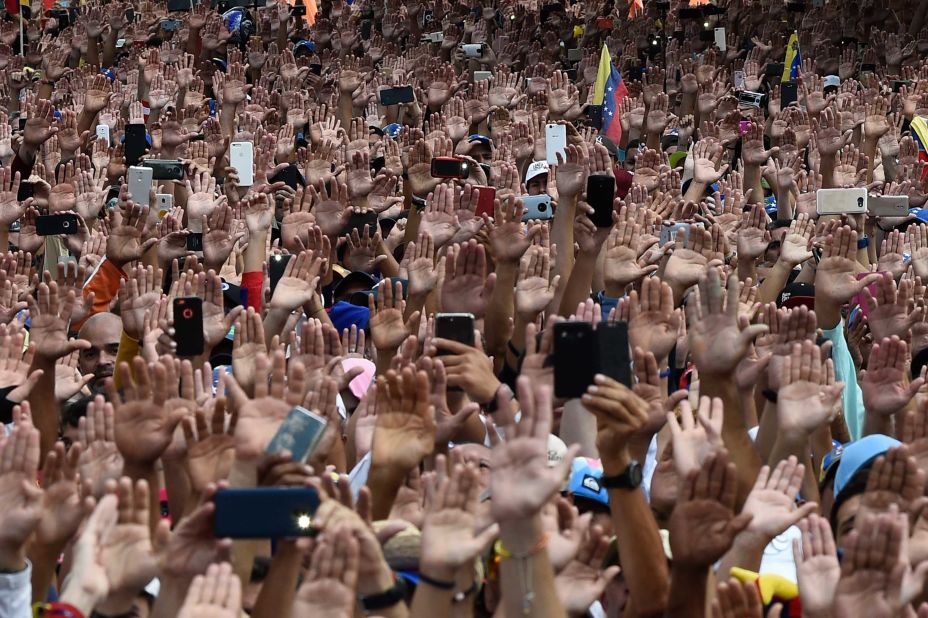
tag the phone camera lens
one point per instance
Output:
(65, 224)
(542, 207)
(860, 202)
(187, 313)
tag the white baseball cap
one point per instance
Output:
(537, 168)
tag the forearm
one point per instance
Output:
(138, 471)
(578, 284)
(44, 405)
(170, 596)
(578, 426)
(44, 561)
(734, 433)
(383, 483)
(227, 120)
(696, 191)
(527, 577)
(178, 488)
(752, 180)
(641, 551)
(746, 269)
(345, 108)
(746, 552)
(279, 589)
(869, 148)
(256, 252)
(687, 592)
(827, 167)
(109, 47)
(93, 51)
(500, 308)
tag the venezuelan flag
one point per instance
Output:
(919, 127)
(792, 60)
(608, 91)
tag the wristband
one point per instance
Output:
(461, 595)
(504, 553)
(64, 610)
(664, 373)
(863, 243)
(435, 583)
(388, 598)
(769, 395)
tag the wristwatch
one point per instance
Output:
(387, 598)
(630, 478)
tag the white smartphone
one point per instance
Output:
(480, 76)
(737, 79)
(103, 130)
(720, 39)
(669, 232)
(242, 158)
(472, 50)
(164, 202)
(537, 207)
(555, 142)
(841, 201)
(888, 205)
(140, 179)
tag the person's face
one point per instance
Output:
(70, 435)
(537, 185)
(481, 153)
(630, 156)
(847, 515)
(100, 358)
(478, 455)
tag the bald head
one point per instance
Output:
(103, 331)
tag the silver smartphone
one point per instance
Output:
(300, 434)
(140, 179)
(537, 207)
(242, 158)
(841, 201)
(164, 202)
(888, 205)
(555, 142)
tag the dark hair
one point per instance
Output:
(73, 413)
(857, 485)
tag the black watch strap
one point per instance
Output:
(630, 478)
(387, 598)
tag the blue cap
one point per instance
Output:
(109, 73)
(920, 213)
(858, 454)
(344, 315)
(393, 130)
(483, 139)
(235, 18)
(308, 45)
(586, 476)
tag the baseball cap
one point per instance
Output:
(537, 168)
(344, 315)
(354, 278)
(609, 144)
(857, 455)
(304, 46)
(797, 294)
(483, 139)
(831, 81)
(586, 476)
(920, 213)
(392, 130)
(557, 450)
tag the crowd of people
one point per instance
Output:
(595, 309)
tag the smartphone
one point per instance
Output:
(357, 221)
(738, 80)
(472, 50)
(140, 179)
(774, 71)
(395, 96)
(53, 225)
(888, 205)
(265, 512)
(486, 201)
(103, 130)
(276, 266)
(720, 40)
(434, 37)
(135, 143)
(195, 241)
(868, 67)
(170, 24)
(595, 114)
(690, 13)
(787, 94)
(188, 325)
(480, 76)
(537, 207)
(613, 356)
(899, 83)
(555, 142)
(605, 23)
(450, 167)
(669, 232)
(242, 158)
(164, 202)
(796, 7)
(574, 54)
(315, 68)
(841, 201)
(455, 327)
(600, 191)
(165, 169)
(574, 358)
(746, 99)
(300, 434)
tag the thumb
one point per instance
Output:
(753, 332)
(737, 524)
(489, 535)
(804, 511)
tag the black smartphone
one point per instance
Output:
(359, 220)
(188, 325)
(315, 67)
(377, 164)
(574, 358)
(636, 73)
(395, 96)
(796, 7)
(706, 35)
(53, 225)
(195, 241)
(899, 83)
(135, 145)
(788, 94)
(265, 512)
(867, 68)
(290, 176)
(450, 167)
(366, 26)
(455, 327)
(613, 356)
(600, 191)
(774, 71)
(165, 169)
(276, 267)
(690, 13)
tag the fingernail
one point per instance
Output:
(592, 389)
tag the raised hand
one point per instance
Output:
(696, 439)
(817, 567)
(20, 499)
(386, 306)
(100, 460)
(772, 502)
(217, 594)
(404, 433)
(125, 242)
(210, 446)
(891, 309)
(297, 286)
(883, 384)
(144, 426)
(652, 320)
(51, 316)
(703, 524)
(805, 400)
(467, 286)
(520, 469)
